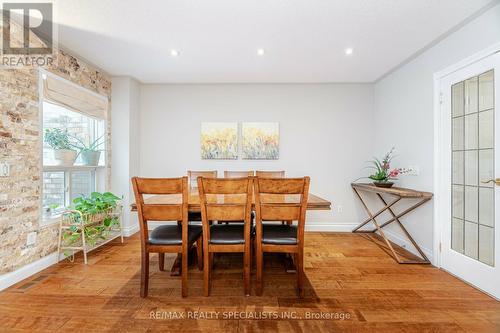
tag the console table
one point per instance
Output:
(399, 194)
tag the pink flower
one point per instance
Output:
(385, 166)
(394, 173)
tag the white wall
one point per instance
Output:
(404, 111)
(125, 100)
(325, 132)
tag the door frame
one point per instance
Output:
(440, 189)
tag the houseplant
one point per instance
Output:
(383, 174)
(97, 213)
(90, 153)
(60, 141)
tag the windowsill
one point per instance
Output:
(73, 167)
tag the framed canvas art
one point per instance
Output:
(219, 141)
(260, 141)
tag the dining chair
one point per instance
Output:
(272, 203)
(238, 174)
(226, 199)
(270, 174)
(178, 238)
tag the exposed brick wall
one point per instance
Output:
(20, 145)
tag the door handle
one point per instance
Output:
(496, 181)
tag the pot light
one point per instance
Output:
(174, 53)
(260, 52)
(349, 51)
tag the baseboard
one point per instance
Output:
(330, 227)
(11, 278)
(130, 230)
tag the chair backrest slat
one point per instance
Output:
(238, 174)
(224, 185)
(270, 174)
(281, 185)
(193, 177)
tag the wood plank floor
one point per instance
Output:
(349, 278)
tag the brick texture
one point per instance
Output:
(20, 146)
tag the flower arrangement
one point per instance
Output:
(383, 173)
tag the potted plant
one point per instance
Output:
(60, 141)
(90, 153)
(383, 175)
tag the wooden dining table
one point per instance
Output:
(314, 202)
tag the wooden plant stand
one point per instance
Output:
(399, 194)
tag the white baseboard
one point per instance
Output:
(11, 278)
(330, 227)
(130, 230)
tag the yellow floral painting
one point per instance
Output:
(219, 141)
(260, 141)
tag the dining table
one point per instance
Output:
(314, 203)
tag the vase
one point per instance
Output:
(90, 158)
(383, 184)
(65, 157)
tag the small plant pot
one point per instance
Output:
(65, 157)
(384, 185)
(90, 158)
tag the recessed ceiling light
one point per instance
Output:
(260, 52)
(348, 51)
(174, 53)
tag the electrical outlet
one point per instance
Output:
(31, 240)
(339, 209)
(412, 170)
(4, 169)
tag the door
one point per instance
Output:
(470, 234)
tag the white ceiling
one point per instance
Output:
(304, 40)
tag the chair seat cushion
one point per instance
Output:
(279, 234)
(232, 233)
(172, 234)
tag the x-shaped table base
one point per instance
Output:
(399, 194)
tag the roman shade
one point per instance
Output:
(64, 93)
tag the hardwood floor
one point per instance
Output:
(347, 276)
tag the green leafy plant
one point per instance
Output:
(93, 146)
(97, 204)
(383, 174)
(58, 139)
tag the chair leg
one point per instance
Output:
(199, 253)
(144, 273)
(206, 272)
(184, 271)
(246, 270)
(161, 261)
(299, 263)
(259, 263)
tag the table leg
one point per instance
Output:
(396, 218)
(290, 264)
(379, 229)
(374, 215)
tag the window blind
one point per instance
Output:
(64, 93)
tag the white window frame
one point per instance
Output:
(99, 175)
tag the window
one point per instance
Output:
(62, 182)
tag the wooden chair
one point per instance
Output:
(176, 238)
(236, 205)
(238, 174)
(270, 174)
(275, 237)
